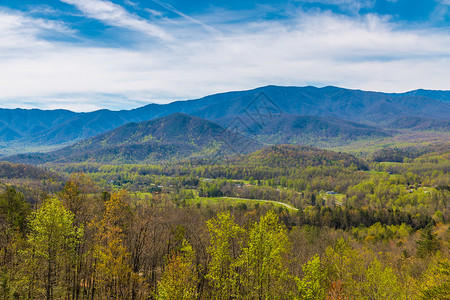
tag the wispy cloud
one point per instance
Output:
(349, 5)
(19, 32)
(322, 48)
(77, 102)
(193, 20)
(442, 10)
(115, 15)
(42, 9)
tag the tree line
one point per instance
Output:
(86, 243)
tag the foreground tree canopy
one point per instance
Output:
(242, 230)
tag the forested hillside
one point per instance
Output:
(291, 156)
(38, 130)
(145, 153)
(315, 131)
(246, 207)
(284, 222)
(419, 123)
(175, 137)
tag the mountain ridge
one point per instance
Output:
(176, 136)
(24, 130)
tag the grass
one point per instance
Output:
(142, 195)
(336, 198)
(224, 201)
(229, 201)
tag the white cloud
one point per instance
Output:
(42, 10)
(441, 11)
(350, 5)
(77, 102)
(318, 49)
(115, 15)
(20, 34)
(189, 18)
(131, 3)
(154, 13)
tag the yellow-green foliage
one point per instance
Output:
(379, 232)
(436, 281)
(361, 274)
(223, 247)
(264, 270)
(179, 280)
(312, 285)
(51, 250)
(112, 269)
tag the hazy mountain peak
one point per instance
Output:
(31, 129)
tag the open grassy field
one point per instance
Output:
(249, 203)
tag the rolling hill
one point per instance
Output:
(176, 136)
(295, 156)
(21, 171)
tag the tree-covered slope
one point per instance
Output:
(23, 130)
(176, 136)
(420, 124)
(293, 156)
(20, 171)
(316, 131)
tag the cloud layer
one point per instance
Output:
(183, 57)
(115, 15)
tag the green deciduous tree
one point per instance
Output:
(428, 242)
(179, 280)
(224, 249)
(14, 209)
(360, 275)
(436, 282)
(345, 268)
(14, 213)
(52, 243)
(112, 267)
(264, 273)
(311, 286)
(381, 283)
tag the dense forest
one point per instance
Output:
(285, 222)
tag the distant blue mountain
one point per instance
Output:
(25, 130)
(443, 96)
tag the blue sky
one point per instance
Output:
(119, 54)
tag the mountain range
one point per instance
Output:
(438, 95)
(179, 137)
(266, 115)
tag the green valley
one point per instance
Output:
(244, 206)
